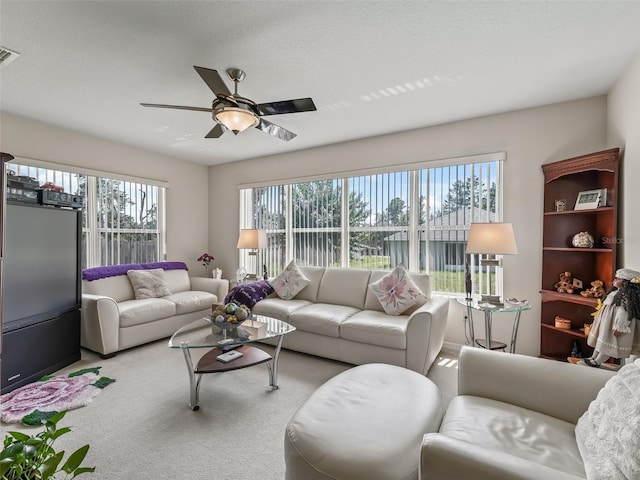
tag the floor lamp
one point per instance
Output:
(491, 239)
(253, 239)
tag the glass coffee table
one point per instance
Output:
(204, 334)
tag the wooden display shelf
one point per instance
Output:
(553, 296)
(581, 212)
(567, 331)
(575, 249)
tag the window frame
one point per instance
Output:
(414, 230)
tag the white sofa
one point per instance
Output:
(338, 316)
(113, 319)
(514, 418)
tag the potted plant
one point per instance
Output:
(26, 457)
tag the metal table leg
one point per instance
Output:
(194, 384)
(487, 328)
(272, 365)
(514, 332)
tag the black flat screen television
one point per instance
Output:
(41, 277)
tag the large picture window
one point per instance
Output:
(122, 220)
(417, 218)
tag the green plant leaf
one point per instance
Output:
(60, 432)
(50, 465)
(19, 435)
(75, 459)
(81, 470)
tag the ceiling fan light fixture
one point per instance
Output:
(236, 119)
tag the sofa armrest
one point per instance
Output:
(554, 388)
(100, 324)
(218, 286)
(446, 458)
(425, 333)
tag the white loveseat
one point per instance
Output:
(113, 319)
(338, 316)
(515, 417)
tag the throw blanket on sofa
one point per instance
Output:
(608, 433)
(97, 273)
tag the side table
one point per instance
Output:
(489, 309)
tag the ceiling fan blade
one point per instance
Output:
(177, 107)
(286, 106)
(213, 80)
(215, 132)
(275, 130)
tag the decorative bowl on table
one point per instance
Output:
(228, 316)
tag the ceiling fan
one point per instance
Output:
(236, 113)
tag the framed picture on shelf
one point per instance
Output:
(590, 199)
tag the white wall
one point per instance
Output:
(624, 131)
(529, 137)
(187, 199)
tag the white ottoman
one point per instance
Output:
(366, 423)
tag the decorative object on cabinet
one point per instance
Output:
(582, 240)
(561, 205)
(571, 178)
(591, 199)
(596, 291)
(564, 284)
(491, 239)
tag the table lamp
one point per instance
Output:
(253, 239)
(491, 239)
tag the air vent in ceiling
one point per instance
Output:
(7, 56)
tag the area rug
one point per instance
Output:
(34, 403)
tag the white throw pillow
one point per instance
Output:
(148, 283)
(397, 292)
(608, 433)
(290, 282)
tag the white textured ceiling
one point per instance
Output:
(372, 67)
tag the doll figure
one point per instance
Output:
(616, 329)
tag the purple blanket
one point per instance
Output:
(97, 273)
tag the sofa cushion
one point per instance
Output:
(191, 301)
(344, 286)
(514, 430)
(608, 433)
(177, 280)
(321, 318)
(148, 283)
(118, 287)
(278, 308)
(314, 274)
(136, 312)
(290, 282)
(397, 292)
(249, 294)
(376, 328)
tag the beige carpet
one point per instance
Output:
(141, 427)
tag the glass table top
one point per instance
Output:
(202, 333)
(509, 305)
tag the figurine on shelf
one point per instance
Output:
(616, 329)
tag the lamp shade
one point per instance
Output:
(236, 119)
(252, 238)
(492, 239)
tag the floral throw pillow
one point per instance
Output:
(397, 292)
(290, 282)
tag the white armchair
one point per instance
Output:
(514, 418)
